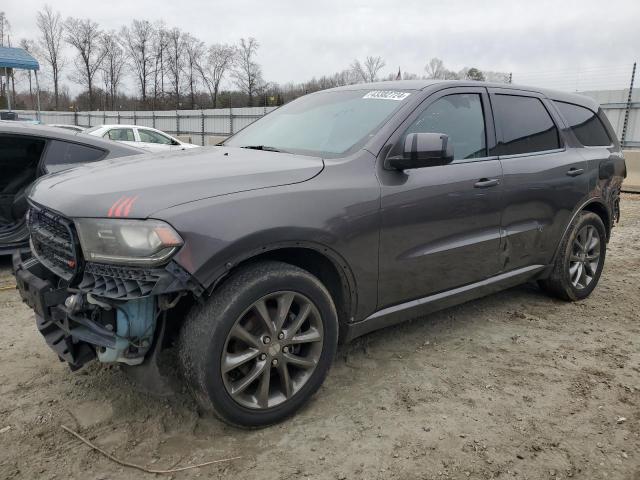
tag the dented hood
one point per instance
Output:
(136, 187)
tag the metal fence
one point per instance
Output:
(203, 127)
(206, 127)
(612, 86)
(618, 108)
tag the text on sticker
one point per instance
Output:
(387, 95)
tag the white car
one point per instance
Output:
(146, 138)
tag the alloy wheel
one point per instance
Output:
(585, 257)
(272, 350)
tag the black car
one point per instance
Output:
(342, 212)
(29, 151)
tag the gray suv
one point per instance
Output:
(341, 212)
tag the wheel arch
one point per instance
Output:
(321, 261)
(594, 205)
(599, 208)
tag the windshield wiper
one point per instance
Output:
(266, 148)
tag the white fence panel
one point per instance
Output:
(197, 124)
(225, 121)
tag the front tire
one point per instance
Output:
(580, 259)
(261, 345)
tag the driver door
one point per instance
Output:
(441, 224)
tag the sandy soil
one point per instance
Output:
(515, 385)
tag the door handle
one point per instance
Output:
(574, 172)
(486, 183)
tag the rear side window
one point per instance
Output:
(64, 153)
(525, 124)
(585, 124)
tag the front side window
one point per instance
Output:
(525, 124)
(120, 135)
(149, 136)
(585, 124)
(328, 124)
(460, 116)
(65, 153)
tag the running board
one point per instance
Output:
(423, 306)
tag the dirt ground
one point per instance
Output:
(515, 385)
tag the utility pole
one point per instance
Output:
(628, 107)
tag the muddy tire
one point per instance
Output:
(261, 345)
(580, 259)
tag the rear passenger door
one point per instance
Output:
(544, 179)
(441, 224)
(593, 141)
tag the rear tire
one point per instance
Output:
(261, 345)
(580, 259)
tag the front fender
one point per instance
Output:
(336, 214)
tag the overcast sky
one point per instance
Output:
(301, 39)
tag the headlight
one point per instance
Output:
(130, 242)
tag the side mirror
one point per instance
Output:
(422, 150)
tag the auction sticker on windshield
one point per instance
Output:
(387, 95)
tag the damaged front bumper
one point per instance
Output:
(112, 314)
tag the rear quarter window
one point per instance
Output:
(585, 125)
(525, 125)
(66, 153)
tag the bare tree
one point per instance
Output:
(139, 41)
(160, 46)
(112, 65)
(175, 60)
(358, 71)
(247, 73)
(4, 32)
(372, 65)
(50, 43)
(436, 70)
(27, 45)
(217, 60)
(194, 50)
(367, 71)
(5, 28)
(85, 36)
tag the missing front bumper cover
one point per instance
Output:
(75, 337)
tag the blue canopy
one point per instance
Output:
(17, 58)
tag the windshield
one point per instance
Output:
(327, 124)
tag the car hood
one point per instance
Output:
(138, 186)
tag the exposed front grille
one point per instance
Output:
(52, 242)
(119, 282)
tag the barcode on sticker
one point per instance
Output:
(387, 95)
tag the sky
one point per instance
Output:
(539, 41)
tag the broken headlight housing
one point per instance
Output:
(127, 242)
